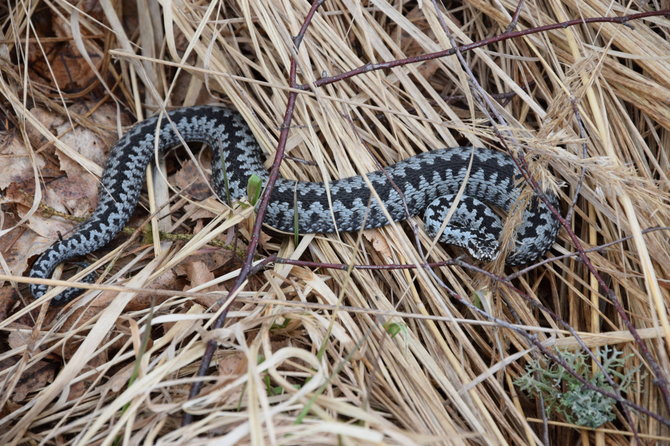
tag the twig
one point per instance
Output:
(560, 361)
(327, 80)
(659, 374)
(265, 200)
(515, 17)
(587, 251)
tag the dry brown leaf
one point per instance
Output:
(167, 280)
(379, 242)
(90, 144)
(57, 61)
(74, 193)
(231, 366)
(16, 166)
(80, 388)
(189, 181)
(208, 259)
(197, 212)
(8, 297)
(19, 246)
(34, 379)
(198, 272)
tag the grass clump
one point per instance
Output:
(566, 395)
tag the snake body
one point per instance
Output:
(425, 182)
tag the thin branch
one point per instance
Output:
(265, 200)
(515, 17)
(369, 67)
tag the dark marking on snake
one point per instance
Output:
(427, 183)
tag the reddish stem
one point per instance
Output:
(471, 46)
(265, 200)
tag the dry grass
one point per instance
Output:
(301, 338)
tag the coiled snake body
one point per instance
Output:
(426, 182)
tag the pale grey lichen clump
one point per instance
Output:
(423, 182)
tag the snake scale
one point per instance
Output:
(425, 183)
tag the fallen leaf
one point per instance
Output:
(198, 272)
(20, 245)
(34, 379)
(210, 258)
(17, 165)
(379, 242)
(189, 181)
(200, 212)
(231, 366)
(93, 146)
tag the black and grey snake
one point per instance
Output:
(425, 182)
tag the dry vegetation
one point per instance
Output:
(308, 355)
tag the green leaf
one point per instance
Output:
(284, 324)
(477, 299)
(270, 389)
(393, 329)
(254, 188)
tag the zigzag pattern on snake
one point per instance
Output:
(427, 182)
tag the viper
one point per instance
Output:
(427, 183)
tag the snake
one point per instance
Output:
(463, 185)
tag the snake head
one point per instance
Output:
(472, 226)
(483, 248)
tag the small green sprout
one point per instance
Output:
(393, 328)
(254, 189)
